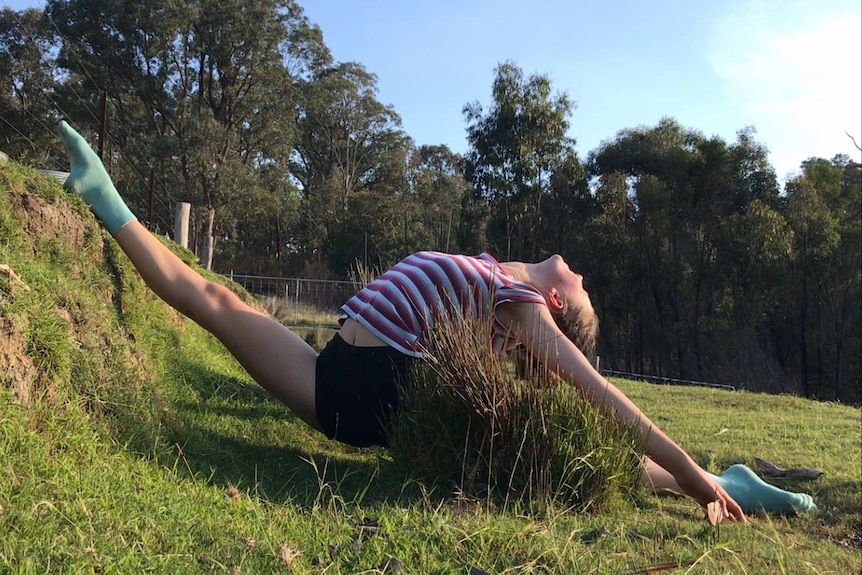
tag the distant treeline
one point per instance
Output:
(700, 263)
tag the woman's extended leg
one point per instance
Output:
(275, 357)
(279, 360)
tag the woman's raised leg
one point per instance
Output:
(279, 360)
(274, 356)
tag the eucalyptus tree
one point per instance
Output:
(437, 189)
(515, 149)
(27, 81)
(198, 85)
(725, 305)
(690, 197)
(348, 143)
(752, 253)
(822, 211)
(656, 162)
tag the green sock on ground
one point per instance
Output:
(753, 494)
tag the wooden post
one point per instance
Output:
(181, 223)
(150, 200)
(103, 120)
(208, 242)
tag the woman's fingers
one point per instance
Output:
(733, 509)
(699, 486)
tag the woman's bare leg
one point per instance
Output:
(276, 358)
(657, 478)
(279, 360)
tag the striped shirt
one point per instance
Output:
(400, 306)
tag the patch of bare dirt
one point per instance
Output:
(42, 219)
(50, 220)
(19, 373)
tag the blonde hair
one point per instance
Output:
(580, 324)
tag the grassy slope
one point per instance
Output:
(144, 448)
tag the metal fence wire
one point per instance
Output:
(325, 295)
(328, 296)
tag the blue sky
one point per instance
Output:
(791, 68)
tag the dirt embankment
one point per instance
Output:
(47, 242)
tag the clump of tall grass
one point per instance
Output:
(467, 424)
(313, 325)
(277, 308)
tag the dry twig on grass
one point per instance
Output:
(13, 277)
(772, 471)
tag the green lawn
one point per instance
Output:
(130, 442)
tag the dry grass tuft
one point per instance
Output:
(288, 555)
(362, 274)
(466, 423)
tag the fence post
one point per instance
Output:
(181, 223)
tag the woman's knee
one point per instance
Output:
(210, 303)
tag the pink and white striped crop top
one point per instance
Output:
(401, 305)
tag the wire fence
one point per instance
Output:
(326, 295)
(298, 296)
(665, 380)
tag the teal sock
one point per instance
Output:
(753, 494)
(89, 180)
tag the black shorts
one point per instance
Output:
(356, 391)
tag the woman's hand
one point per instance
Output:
(697, 484)
(544, 340)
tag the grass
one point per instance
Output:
(144, 448)
(313, 325)
(466, 423)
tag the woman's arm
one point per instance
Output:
(536, 329)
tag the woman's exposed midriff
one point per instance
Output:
(357, 335)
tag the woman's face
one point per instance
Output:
(568, 283)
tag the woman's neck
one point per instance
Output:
(518, 270)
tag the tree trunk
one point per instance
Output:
(181, 223)
(207, 241)
(803, 337)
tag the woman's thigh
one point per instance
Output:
(278, 359)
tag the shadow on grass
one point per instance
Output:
(275, 473)
(229, 432)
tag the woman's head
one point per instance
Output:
(580, 325)
(569, 302)
(578, 322)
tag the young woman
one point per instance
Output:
(353, 385)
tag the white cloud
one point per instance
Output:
(795, 73)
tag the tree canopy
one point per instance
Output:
(699, 262)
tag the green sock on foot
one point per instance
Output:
(89, 180)
(754, 494)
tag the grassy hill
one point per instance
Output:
(131, 442)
